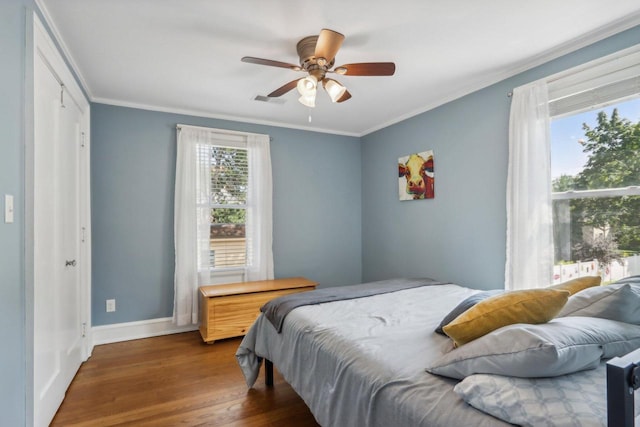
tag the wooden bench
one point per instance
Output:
(229, 310)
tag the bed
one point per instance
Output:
(363, 361)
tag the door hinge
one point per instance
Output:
(82, 234)
(84, 330)
(82, 141)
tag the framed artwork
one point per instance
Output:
(415, 176)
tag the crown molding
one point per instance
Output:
(556, 52)
(59, 41)
(577, 43)
(205, 114)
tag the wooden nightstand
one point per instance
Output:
(229, 310)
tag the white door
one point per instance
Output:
(58, 293)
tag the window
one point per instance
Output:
(222, 213)
(595, 170)
(224, 205)
(596, 204)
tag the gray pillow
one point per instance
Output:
(570, 400)
(619, 302)
(560, 347)
(630, 279)
(465, 305)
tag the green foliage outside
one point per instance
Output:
(229, 181)
(563, 183)
(613, 146)
(228, 216)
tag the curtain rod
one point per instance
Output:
(179, 126)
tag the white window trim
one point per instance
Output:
(604, 81)
(218, 275)
(632, 190)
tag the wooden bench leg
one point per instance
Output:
(268, 373)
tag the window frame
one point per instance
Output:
(229, 270)
(607, 81)
(529, 241)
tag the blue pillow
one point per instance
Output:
(630, 279)
(465, 305)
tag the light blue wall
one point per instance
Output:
(12, 279)
(317, 231)
(460, 235)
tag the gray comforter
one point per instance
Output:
(278, 308)
(361, 362)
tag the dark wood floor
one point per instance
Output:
(175, 380)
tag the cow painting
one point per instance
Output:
(415, 176)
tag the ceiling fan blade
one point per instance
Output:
(368, 69)
(260, 61)
(328, 43)
(283, 89)
(345, 96)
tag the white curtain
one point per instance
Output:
(185, 231)
(259, 209)
(191, 214)
(529, 213)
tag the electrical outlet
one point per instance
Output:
(111, 305)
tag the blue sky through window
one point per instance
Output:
(567, 157)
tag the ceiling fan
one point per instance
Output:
(317, 56)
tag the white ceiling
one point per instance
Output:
(184, 55)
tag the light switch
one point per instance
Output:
(8, 208)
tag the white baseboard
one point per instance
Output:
(117, 332)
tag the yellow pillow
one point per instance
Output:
(527, 306)
(577, 285)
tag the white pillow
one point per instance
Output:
(578, 399)
(619, 302)
(562, 346)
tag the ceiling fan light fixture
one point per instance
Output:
(334, 89)
(317, 55)
(308, 100)
(307, 86)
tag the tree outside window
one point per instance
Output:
(228, 213)
(597, 210)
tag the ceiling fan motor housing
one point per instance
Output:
(307, 53)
